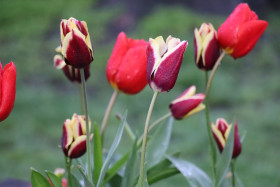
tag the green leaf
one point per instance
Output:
(116, 167)
(223, 160)
(163, 174)
(86, 181)
(158, 143)
(130, 169)
(97, 154)
(194, 175)
(111, 152)
(55, 180)
(38, 180)
(73, 181)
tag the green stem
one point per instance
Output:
(68, 169)
(164, 117)
(146, 130)
(84, 93)
(209, 131)
(127, 128)
(107, 113)
(233, 173)
(81, 98)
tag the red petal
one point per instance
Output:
(7, 89)
(118, 53)
(78, 147)
(222, 126)
(248, 35)
(211, 54)
(237, 144)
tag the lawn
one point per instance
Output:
(246, 90)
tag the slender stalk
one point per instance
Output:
(127, 127)
(208, 125)
(107, 113)
(146, 130)
(68, 169)
(84, 93)
(81, 98)
(233, 173)
(164, 117)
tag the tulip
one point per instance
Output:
(206, 46)
(73, 74)
(74, 136)
(127, 65)
(164, 62)
(7, 89)
(188, 103)
(241, 31)
(75, 43)
(221, 132)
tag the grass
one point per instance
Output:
(246, 89)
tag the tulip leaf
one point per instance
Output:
(97, 154)
(111, 152)
(56, 181)
(86, 181)
(130, 169)
(38, 180)
(194, 175)
(116, 167)
(223, 160)
(158, 143)
(73, 181)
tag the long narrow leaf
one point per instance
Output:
(224, 159)
(194, 175)
(54, 179)
(38, 180)
(86, 181)
(158, 143)
(116, 167)
(97, 154)
(163, 174)
(73, 181)
(129, 173)
(111, 151)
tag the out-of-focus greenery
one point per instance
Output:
(246, 90)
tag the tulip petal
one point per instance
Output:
(67, 136)
(197, 45)
(7, 89)
(237, 144)
(211, 51)
(186, 94)
(165, 76)
(75, 50)
(248, 35)
(218, 137)
(58, 62)
(78, 147)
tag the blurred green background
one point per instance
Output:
(246, 89)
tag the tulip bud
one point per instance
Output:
(127, 65)
(221, 132)
(241, 31)
(164, 62)
(186, 104)
(206, 46)
(75, 43)
(73, 74)
(74, 136)
(7, 89)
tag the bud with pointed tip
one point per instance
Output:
(187, 103)
(164, 62)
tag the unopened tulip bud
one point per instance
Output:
(221, 132)
(75, 43)
(206, 46)
(164, 62)
(74, 136)
(187, 103)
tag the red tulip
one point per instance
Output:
(164, 62)
(7, 89)
(75, 43)
(221, 132)
(127, 65)
(241, 31)
(73, 74)
(188, 103)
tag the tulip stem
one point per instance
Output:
(68, 169)
(107, 113)
(154, 124)
(233, 173)
(146, 130)
(84, 93)
(209, 131)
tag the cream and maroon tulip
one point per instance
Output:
(164, 62)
